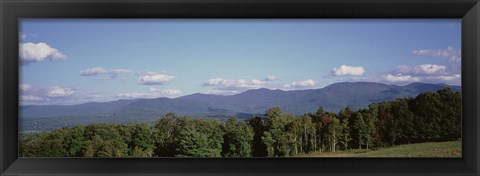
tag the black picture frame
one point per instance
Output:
(13, 10)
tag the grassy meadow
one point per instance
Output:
(427, 149)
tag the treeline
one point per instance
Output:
(431, 116)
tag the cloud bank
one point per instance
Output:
(154, 93)
(421, 70)
(38, 52)
(152, 78)
(30, 94)
(448, 73)
(306, 84)
(112, 73)
(345, 70)
(451, 54)
(58, 91)
(227, 86)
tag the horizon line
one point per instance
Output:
(135, 99)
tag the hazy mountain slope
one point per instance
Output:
(331, 98)
(80, 109)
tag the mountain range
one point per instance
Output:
(332, 98)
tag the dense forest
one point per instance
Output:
(431, 116)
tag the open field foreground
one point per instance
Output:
(427, 149)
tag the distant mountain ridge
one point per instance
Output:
(332, 98)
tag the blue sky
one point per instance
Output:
(76, 61)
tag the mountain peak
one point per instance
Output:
(417, 83)
(331, 98)
(436, 84)
(195, 95)
(260, 90)
(353, 84)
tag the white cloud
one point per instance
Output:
(223, 92)
(25, 87)
(119, 71)
(263, 81)
(154, 93)
(133, 95)
(171, 92)
(433, 53)
(270, 78)
(168, 92)
(93, 71)
(152, 89)
(31, 98)
(431, 73)
(425, 69)
(31, 94)
(58, 91)
(400, 78)
(59, 95)
(403, 69)
(451, 54)
(231, 86)
(453, 79)
(234, 85)
(345, 70)
(113, 73)
(258, 82)
(224, 82)
(448, 79)
(431, 69)
(152, 78)
(309, 83)
(37, 52)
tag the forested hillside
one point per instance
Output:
(430, 116)
(332, 98)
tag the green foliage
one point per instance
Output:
(165, 130)
(258, 147)
(142, 139)
(74, 140)
(452, 112)
(429, 117)
(344, 137)
(296, 128)
(237, 139)
(359, 130)
(104, 141)
(370, 120)
(63, 142)
(274, 126)
(199, 138)
(309, 131)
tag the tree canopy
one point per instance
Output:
(431, 116)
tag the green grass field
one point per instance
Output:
(429, 149)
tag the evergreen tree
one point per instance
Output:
(104, 141)
(359, 128)
(431, 116)
(237, 139)
(165, 131)
(199, 138)
(345, 116)
(258, 147)
(274, 126)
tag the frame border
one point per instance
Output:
(12, 10)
